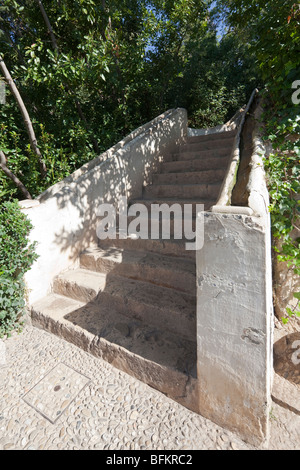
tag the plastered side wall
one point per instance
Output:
(65, 219)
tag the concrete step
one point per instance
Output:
(184, 191)
(208, 145)
(193, 154)
(207, 203)
(212, 164)
(171, 247)
(176, 273)
(212, 137)
(190, 177)
(165, 226)
(158, 358)
(158, 306)
(79, 284)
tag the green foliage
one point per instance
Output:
(283, 170)
(78, 94)
(283, 129)
(291, 312)
(272, 30)
(16, 257)
(115, 66)
(218, 79)
(103, 70)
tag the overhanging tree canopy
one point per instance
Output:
(89, 72)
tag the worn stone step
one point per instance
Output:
(212, 137)
(209, 145)
(193, 154)
(158, 358)
(79, 284)
(190, 177)
(164, 308)
(159, 306)
(183, 191)
(184, 224)
(176, 273)
(159, 221)
(166, 247)
(169, 201)
(211, 164)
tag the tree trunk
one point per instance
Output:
(13, 177)
(48, 24)
(28, 124)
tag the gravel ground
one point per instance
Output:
(112, 411)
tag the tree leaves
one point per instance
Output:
(122, 63)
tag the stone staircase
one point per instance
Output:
(132, 301)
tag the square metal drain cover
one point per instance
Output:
(52, 395)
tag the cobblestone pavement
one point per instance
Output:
(112, 411)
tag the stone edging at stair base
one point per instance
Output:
(64, 217)
(235, 311)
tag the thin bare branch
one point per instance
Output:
(13, 177)
(48, 24)
(27, 121)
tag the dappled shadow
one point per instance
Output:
(240, 192)
(118, 327)
(143, 351)
(287, 358)
(65, 221)
(118, 173)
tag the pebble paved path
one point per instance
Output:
(113, 411)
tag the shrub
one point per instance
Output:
(16, 257)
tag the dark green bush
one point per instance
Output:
(16, 257)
